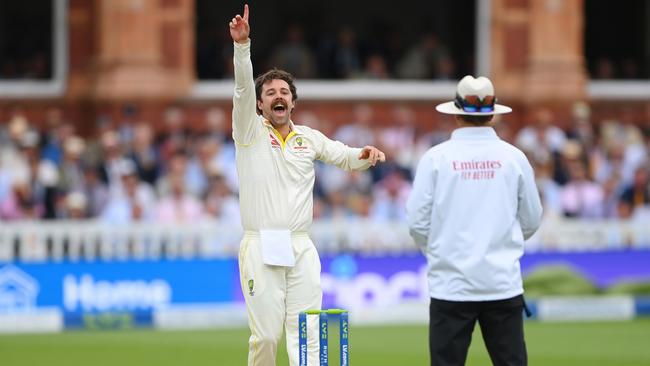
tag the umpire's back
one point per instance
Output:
(474, 202)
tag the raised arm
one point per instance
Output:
(244, 117)
(239, 27)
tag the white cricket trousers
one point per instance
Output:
(275, 296)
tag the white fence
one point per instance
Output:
(59, 240)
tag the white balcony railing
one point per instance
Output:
(90, 240)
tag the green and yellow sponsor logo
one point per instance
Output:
(251, 285)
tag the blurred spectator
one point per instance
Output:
(220, 202)
(389, 197)
(604, 69)
(41, 176)
(396, 139)
(94, 152)
(293, 55)
(360, 204)
(630, 69)
(337, 208)
(217, 128)
(75, 206)
(612, 189)
(71, 175)
(607, 162)
(54, 135)
(11, 159)
(376, 68)
(178, 206)
(581, 128)
(549, 189)
(446, 69)
(359, 132)
(645, 125)
(134, 204)
(581, 197)
(206, 156)
(543, 140)
(175, 135)
(178, 167)
(427, 59)
(542, 136)
(432, 136)
(625, 143)
(345, 56)
(95, 191)
(635, 198)
(113, 158)
(143, 153)
(217, 125)
(21, 203)
(124, 126)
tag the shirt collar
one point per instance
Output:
(293, 126)
(474, 133)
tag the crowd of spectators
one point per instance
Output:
(605, 68)
(341, 54)
(130, 173)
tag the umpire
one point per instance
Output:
(474, 202)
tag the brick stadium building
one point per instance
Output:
(142, 53)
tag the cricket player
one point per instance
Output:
(473, 203)
(278, 263)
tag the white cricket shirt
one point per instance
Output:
(276, 176)
(474, 202)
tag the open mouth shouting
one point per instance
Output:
(279, 108)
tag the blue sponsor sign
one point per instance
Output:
(134, 287)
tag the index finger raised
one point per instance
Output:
(246, 12)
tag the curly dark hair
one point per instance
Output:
(270, 76)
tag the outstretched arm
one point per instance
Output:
(345, 157)
(244, 116)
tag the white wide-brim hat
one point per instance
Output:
(469, 85)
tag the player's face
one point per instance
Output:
(276, 102)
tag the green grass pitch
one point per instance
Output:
(556, 344)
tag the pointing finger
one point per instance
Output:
(246, 12)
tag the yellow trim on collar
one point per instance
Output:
(277, 134)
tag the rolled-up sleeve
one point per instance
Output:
(420, 201)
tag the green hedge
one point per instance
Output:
(558, 280)
(629, 288)
(564, 280)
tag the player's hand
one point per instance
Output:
(372, 154)
(239, 27)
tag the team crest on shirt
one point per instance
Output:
(274, 142)
(251, 285)
(300, 148)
